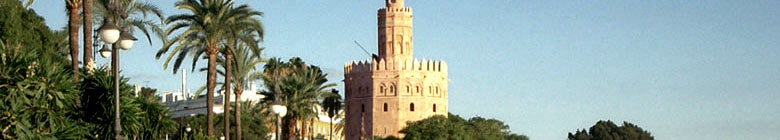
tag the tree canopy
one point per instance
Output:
(606, 130)
(454, 127)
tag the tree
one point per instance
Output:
(244, 65)
(37, 95)
(156, 121)
(73, 7)
(98, 111)
(245, 31)
(456, 128)
(37, 90)
(332, 105)
(255, 120)
(302, 87)
(130, 15)
(202, 31)
(606, 130)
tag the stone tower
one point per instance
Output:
(383, 93)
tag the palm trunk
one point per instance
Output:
(226, 104)
(87, 32)
(73, 38)
(330, 131)
(210, 84)
(302, 134)
(311, 129)
(289, 127)
(238, 92)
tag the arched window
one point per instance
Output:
(392, 89)
(385, 107)
(434, 107)
(411, 107)
(437, 90)
(417, 89)
(362, 108)
(408, 90)
(382, 89)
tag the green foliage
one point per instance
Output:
(37, 95)
(606, 130)
(252, 119)
(19, 25)
(301, 87)
(456, 128)
(144, 116)
(97, 103)
(155, 119)
(133, 15)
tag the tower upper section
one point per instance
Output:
(395, 31)
(395, 3)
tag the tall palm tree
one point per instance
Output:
(73, 7)
(302, 87)
(202, 30)
(243, 72)
(244, 30)
(332, 105)
(243, 69)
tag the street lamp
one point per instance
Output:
(278, 108)
(126, 41)
(110, 34)
(105, 52)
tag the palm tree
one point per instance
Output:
(202, 30)
(247, 31)
(131, 15)
(243, 69)
(332, 105)
(302, 87)
(243, 72)
(73, 7)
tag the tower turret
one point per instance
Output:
(395, 3)
(395, 31)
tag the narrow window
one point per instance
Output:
(434, 107)
(408, 90)
(362, 108)
(411, 107)
(381, 89)
(385, 107)
(392, 89)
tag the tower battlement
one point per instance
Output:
(389, 65)
(394, 10)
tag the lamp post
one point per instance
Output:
(278, 108)
(111, 34)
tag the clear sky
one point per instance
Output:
(684, 70)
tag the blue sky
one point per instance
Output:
(679, 69)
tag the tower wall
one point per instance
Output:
(371, 85)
